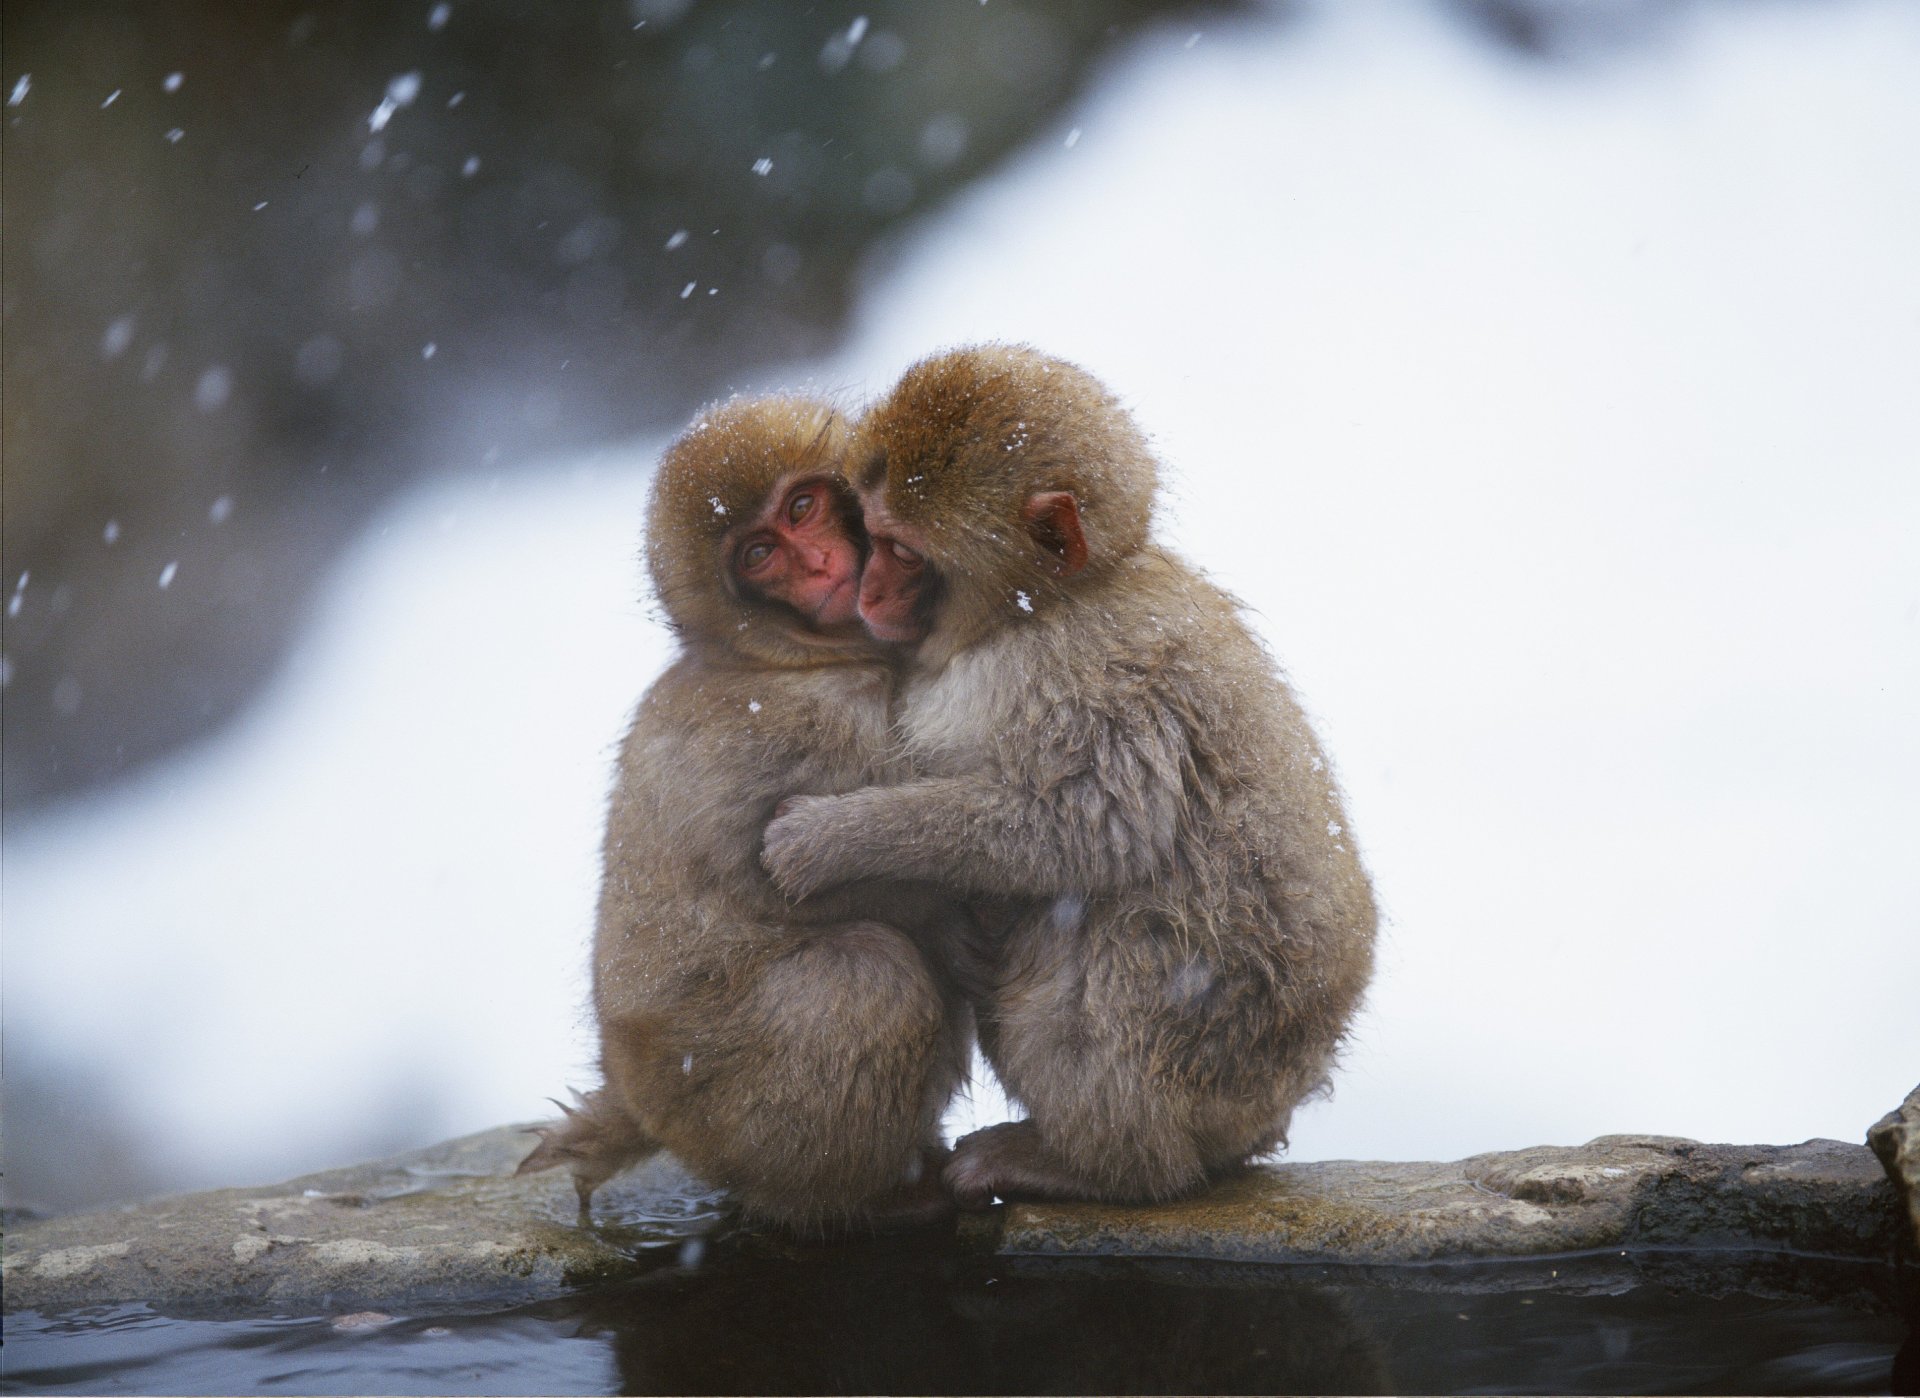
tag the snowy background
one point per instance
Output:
(1561, 431)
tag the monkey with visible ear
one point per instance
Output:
(798, 1055)
(1107, 758)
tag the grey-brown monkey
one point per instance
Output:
(1108, 758)
(798, 1055)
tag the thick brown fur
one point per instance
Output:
(798, 1055)
(1110, 759)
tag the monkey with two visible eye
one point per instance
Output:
(1109, 766)
(798, 1054)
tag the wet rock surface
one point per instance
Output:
(451, 1224)
(1895, 1138)
(1825, 1197)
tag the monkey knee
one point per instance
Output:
(858, 979)
(816, 1098)
(868, 1021)
(872, 947)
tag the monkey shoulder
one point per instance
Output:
(1178, 631)
(744, 732)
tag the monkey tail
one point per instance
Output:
(594, 1139)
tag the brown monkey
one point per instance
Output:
(1108, 757)
(800, 1056)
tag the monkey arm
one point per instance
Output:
(978, 837)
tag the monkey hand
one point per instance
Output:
(799, 849)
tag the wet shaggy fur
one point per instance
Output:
(1110, 766)
(799, 1055)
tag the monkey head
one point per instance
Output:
(995, 480)
(754, 541)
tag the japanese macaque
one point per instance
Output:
(1108, 764)
(799, 1055)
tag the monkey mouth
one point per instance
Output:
(825, 609)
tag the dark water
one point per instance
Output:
(912, 1318)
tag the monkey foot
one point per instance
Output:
(923, 1205)
(1005, 1160)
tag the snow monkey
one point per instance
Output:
(799, 1055)
(1107, 760)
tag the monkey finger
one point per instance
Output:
(790, 859)
(781, 858)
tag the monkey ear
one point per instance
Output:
(1052, 517)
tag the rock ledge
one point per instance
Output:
(452, 1225)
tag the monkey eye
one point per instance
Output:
(906, 555)
(755, 555)
(800, 506)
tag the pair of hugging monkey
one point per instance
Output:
(950, 747)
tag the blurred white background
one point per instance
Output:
(1560, 430)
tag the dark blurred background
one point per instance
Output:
(266, 263)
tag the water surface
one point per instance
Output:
(906, 1317)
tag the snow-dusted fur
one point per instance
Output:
(1111, 766)
(800, 1055)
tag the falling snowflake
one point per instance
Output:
(119, 335)
(214, 388)
(401, 91)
